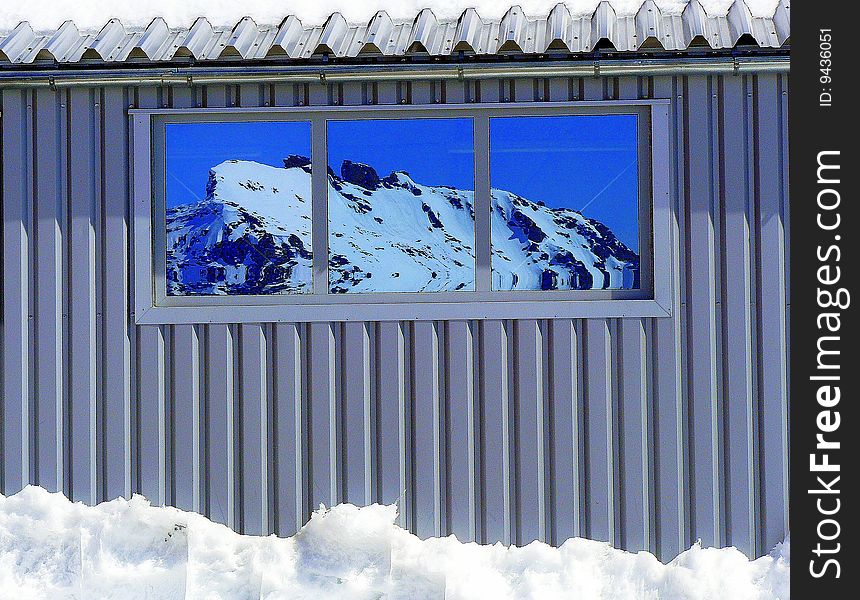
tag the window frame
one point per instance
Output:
(153, 306)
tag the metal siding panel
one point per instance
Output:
(387, 92)
(352, 93)
(356, 401)
(185, 385)
(564, 376)
(458, 404)
(738, 361)
(559, 89)
(634, 435)
(670, 465)
(151, 396)
(165, 394)
(65, 448)
(286, 443)
(390, 372)
(593, 88)
(253, 446)
(268, 445)
(772, 351)
(219, 400)
(599, 432)
(426, 429)
(423, 92)
(496, 433)
(48, 367)
(490, 89)
(455, 92)
(701, 339)
(84, 347)
(233, 386)
(198, 441)
(523, 90)
(529, 432)
(183, 96)
(199, 445)
(324, 484)
(252, 94)
(16, 290)
(98, 450)
(283, 94)
(317, 94)
(785, 190)
(718, 411)
(116, 338)
(682, 178)
(216, 96)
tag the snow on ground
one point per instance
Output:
(92, 14)
(129, 549)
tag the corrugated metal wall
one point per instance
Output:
(648, 433)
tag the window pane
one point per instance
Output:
(238, 208)
(400, 197)
(565, 202)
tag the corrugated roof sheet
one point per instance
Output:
(516, 33)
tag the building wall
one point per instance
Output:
(648, 432)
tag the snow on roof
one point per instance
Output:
(90, 15)
(51, 548)
(162, 30)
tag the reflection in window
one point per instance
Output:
(565, 209)
(238, 208)
(400, 205)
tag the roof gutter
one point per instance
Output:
(193, 75)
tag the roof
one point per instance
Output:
(649, 30)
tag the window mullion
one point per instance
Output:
(483, 250)
(319, 204)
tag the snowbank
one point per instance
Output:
(92, 14)
(52, 548)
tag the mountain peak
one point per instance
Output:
(296, 160)
(401, 178)
(360, 174)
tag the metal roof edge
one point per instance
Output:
(203, 75)
(424, 35)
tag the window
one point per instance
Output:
(565, 202)
(378, 213)
(401, 205)
(238, 208)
